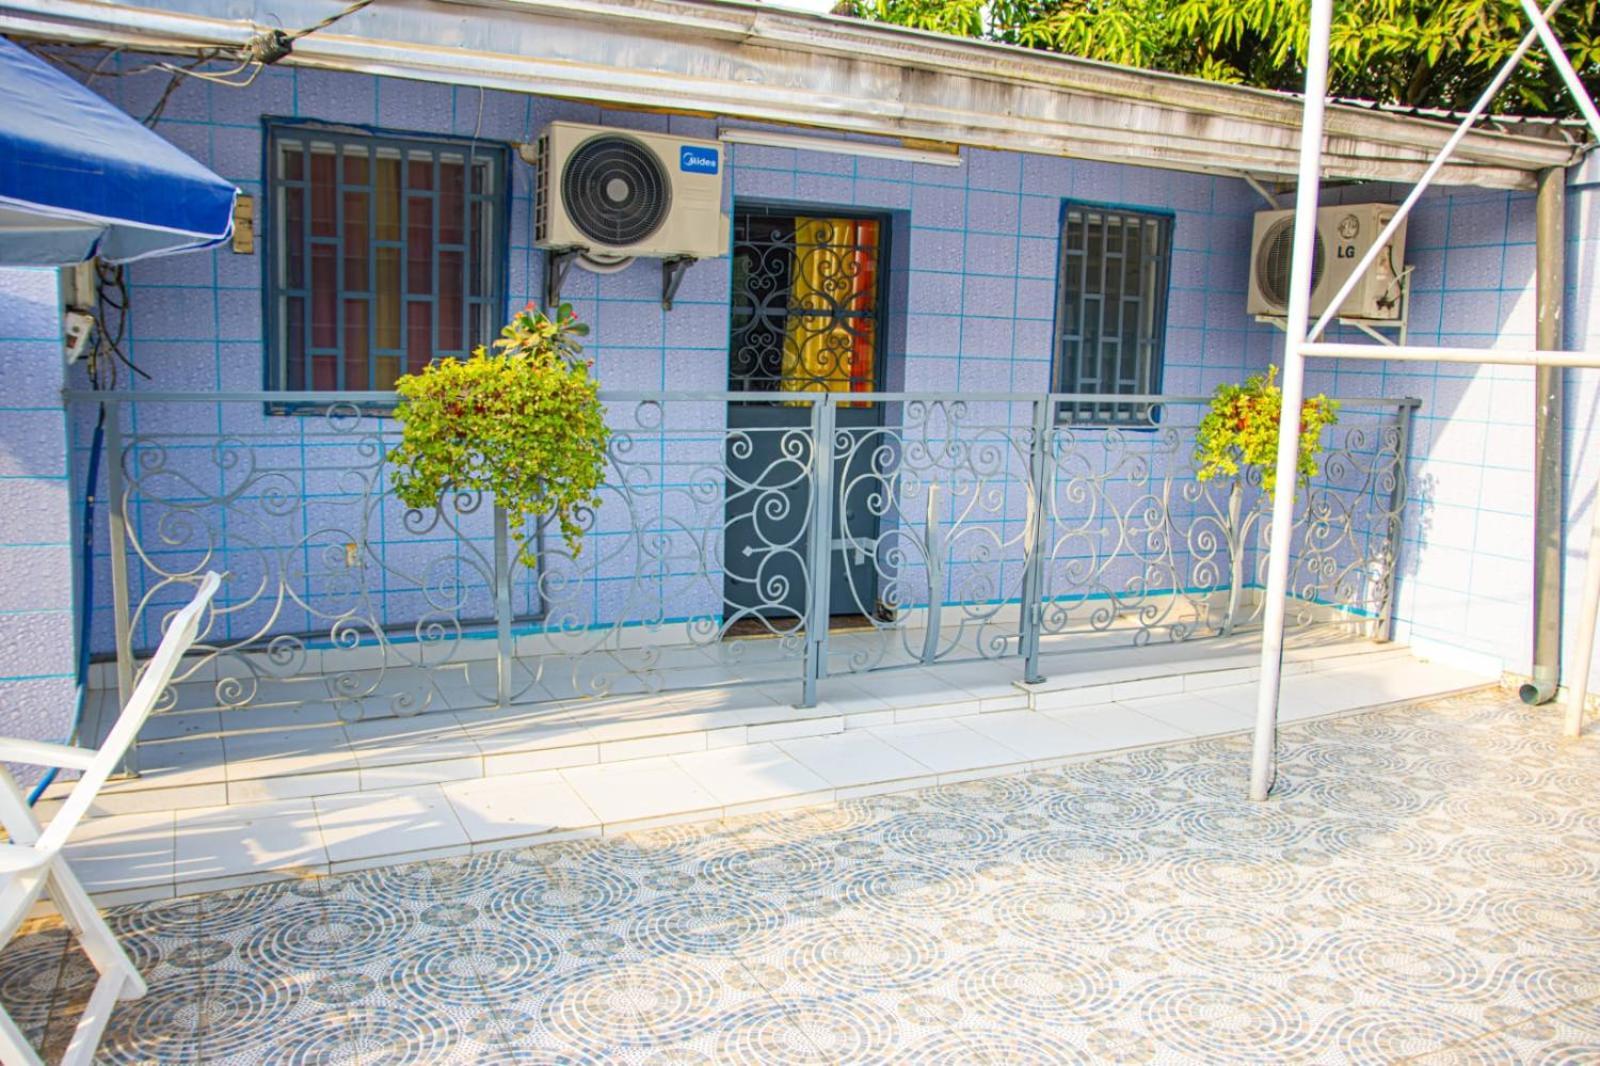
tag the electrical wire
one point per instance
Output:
(263, 49)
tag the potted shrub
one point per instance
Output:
(1238, 439)
(522, 423)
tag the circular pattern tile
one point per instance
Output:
(561, 896)
(468, 967)
(1216, 1020)
(334, 933)
(1040, 987)
(1104, 809)
(779, 866)
(911, 889)
(1091, 859)
(867, 955)
(708, 923)
(626, 1004)
(1401, 965)
(1217, 938)
(945, 836)
(369, 1037)
(822, 1031)
(1063, 914)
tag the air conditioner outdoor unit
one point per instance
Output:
(1343, 236)
(615, 193)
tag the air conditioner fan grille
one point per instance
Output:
(1273, 260)
(615, 190)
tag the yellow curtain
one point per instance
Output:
(835, 267)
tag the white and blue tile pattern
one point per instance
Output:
(1425, 886)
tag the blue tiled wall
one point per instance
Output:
(36, 634)
(1466, 568)
(980, 244)
(978, 282)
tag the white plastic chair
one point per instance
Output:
(33, 859)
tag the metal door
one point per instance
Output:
(807, 317)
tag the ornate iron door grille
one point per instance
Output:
(807, 301)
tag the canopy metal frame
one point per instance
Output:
(1301, 342)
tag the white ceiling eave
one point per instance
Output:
(762, 64)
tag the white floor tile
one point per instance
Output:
(836, 695)
(286, 752)
(425, 738)
(643, 788)
(914, 687)
(1118, 726)
(407, 821)
(227, 841)
(123, 852)
(749, 774)
(853, 758)
(518, 805)
(172, 764)
(1193, 713)
(1036, 736)
(946, 745)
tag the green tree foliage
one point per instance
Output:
(1419, 53)
(523, 424)
(1240, 431)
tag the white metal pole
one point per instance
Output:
(1583, 648)
(1264, 753)
(1416, 353)
(1558, 57)
(1468, 120)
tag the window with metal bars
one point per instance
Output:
(387, 251)
(1112, 313)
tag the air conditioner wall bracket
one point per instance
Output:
(671, 277)
(557, 264)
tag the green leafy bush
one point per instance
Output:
(523, 424)
(1241, 431)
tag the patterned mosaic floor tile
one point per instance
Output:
(1424, 886)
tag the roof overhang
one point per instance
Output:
(758, 63)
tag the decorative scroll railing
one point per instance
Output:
(960, 528)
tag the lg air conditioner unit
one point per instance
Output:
(1343, 236)
(613, 193)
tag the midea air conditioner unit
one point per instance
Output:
(1343, 236)
(614, 193)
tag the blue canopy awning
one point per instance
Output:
(79, 178)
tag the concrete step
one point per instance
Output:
(204, 759)
(159, 852)
(261, 754)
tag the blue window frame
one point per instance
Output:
(1111, 316)
(386, 251)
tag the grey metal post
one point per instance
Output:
(502, 605)
(117, 524)
(819, 562)
(1549, 507)
(1396, 519)
(1032, 606)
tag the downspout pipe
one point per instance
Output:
(1549, 496)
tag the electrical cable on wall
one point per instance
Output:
(263, 49)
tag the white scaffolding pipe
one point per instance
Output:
(1298, 345)
(1465, 127)
(1558, 57)
(1417, 354)
(1264, 753)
